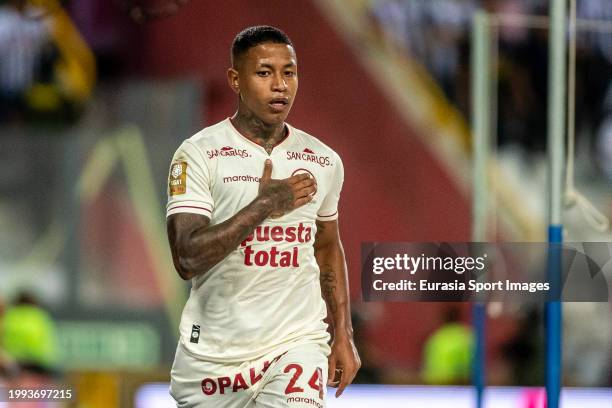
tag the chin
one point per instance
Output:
(274, 119)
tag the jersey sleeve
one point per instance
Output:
(328, 211)
(189, 183)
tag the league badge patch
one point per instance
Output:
(177, 182)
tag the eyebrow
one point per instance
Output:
(264, 65)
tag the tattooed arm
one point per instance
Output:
(196, 246)
(334, 288)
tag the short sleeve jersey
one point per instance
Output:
(265, 296)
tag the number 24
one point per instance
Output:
(314, 382)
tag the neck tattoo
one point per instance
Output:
(268, 147)
(265, 134)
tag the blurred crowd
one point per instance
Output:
(437, 34)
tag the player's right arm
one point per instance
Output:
(197, 246)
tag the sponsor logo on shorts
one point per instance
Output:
(309, 156)
(221, 385)
(305, 400)
(228, 151)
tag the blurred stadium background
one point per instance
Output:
(95, 96)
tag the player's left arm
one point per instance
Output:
(334, 288)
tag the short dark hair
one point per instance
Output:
(253, 36)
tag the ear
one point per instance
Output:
(233, 80)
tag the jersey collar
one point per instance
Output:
(283, 141)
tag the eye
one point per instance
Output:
(289, 73)
(263, 73)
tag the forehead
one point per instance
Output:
(270, 53)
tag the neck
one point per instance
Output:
(264, 134)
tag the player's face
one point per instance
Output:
(268, 82)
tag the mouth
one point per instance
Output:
(278, 104)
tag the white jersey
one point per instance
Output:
(265, 296)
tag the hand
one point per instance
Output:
(343, 363)
(287, 194)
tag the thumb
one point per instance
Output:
(267, 171)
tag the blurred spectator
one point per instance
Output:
(8, 368)
(429, 31)
(601, 41)
(110, 33)
(586, 344)
(524, 351)
(29, 336)
(4, 359)
(605, 137)
(394, 24)
(47, 72)
(22, 41)
(448, 352)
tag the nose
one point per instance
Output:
(279, 84)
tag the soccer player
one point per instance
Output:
(252, 221)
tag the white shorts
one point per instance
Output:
(296, 378)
